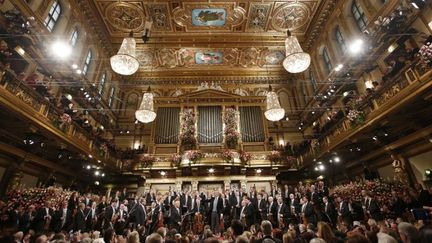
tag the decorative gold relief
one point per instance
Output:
(125, 16)
(159, 13)
(291, 16)
(258, 16)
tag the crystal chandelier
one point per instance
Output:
(145, 113)
(125, 62)
(274, 111)
(296, 60)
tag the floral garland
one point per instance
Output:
(275, 156)
(232, 135)
(228, 155)
(147, 160)
(245, 157)
(356, 117)
(187, 129)
(193, 155)
(426, 54)
(175, 159)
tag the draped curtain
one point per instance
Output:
(251, 124)
(210, 124)
(167, 125)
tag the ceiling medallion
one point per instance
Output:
(291, 16)
(125, 16)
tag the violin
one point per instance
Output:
(198, 226)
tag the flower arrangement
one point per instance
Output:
(187, 129)
(232, 136)
(147, 160)
(175, 159)
(426, 54)
(228, 155)
(275, 156)
(356, 117)
(193, 155)
(245, 157)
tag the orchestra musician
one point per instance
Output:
(121, 219)
(140, 213)
(329, 211)
(307, 211)
(215, 211)
(110, 214)
(344, 211)
(79, 220)
(272, 211)
(175, 216)
(91, 217)
(43, 217)
(235, 201)
(262, 208)
(247, 213)
(282, 213)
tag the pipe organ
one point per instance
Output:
(167, 125)
(251, 124)
(210, 124)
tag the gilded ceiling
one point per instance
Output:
(214, 39)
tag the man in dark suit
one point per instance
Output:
(261, 207)
(26, 219)
(79, 220)
(272, 211)
(282, 213)
(87, 200)
(154, 216)
(197, 206)
(215, 211)
(141, 214)
(274, 191)
(185, 202)
(175, 216)
(373, 208)
(307, 211)
(247, 213)
(109, 214)
(330, 214)
(91, 217)
(344, 211)
(122, 216)
(235, 202)
(43, 217)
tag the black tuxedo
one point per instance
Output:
(345, 213)
(314, 197)
(262, 209)
(175, 218)
(294, 203)
(272, 209)
(41, 217)
(154, 216)
(330, 213)
(185, 202)
(61, 222)
(309, 214)
(121, 221)
(25, 221)
(374, 209)
(91, 218)
(79, 221)
(249, 215)
(140, 214)
(109, 214)
(150, 197)
(282, 212)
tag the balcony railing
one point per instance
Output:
(374, 107)
(47, 115)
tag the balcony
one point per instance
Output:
(29, 105)
(396, 93)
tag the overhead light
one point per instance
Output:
(88, 167)
(375, 138)
(74, 66)
(336, 159)
(321, 167)
(346, 93)
(428, 172)
(338, 67)
(281, 142)
(391, 48)
(258, 171)
(163, 173)
(316, 168)
(61, 49)
(103, 175)
(125, 62)
(99, 161)
(321, 177)
(78, 71)
(90, 156)
(385, 134)
(296, 60)
(211, 170)
(300, 128)
(97, 173)
(313, 112)
(145, 113)
(97, 183)
(20, 50)
(356, 46)
(369, 84)
(274, 111)
(127, 131)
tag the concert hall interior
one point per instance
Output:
(216, 121)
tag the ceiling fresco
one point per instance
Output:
(194, 35)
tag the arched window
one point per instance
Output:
(53, 16)
(359, 15)
(340, 40)
(326, 59)
(111, 96)
(313, 80)
(101, 86)
(87, 62)
(74, 37)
